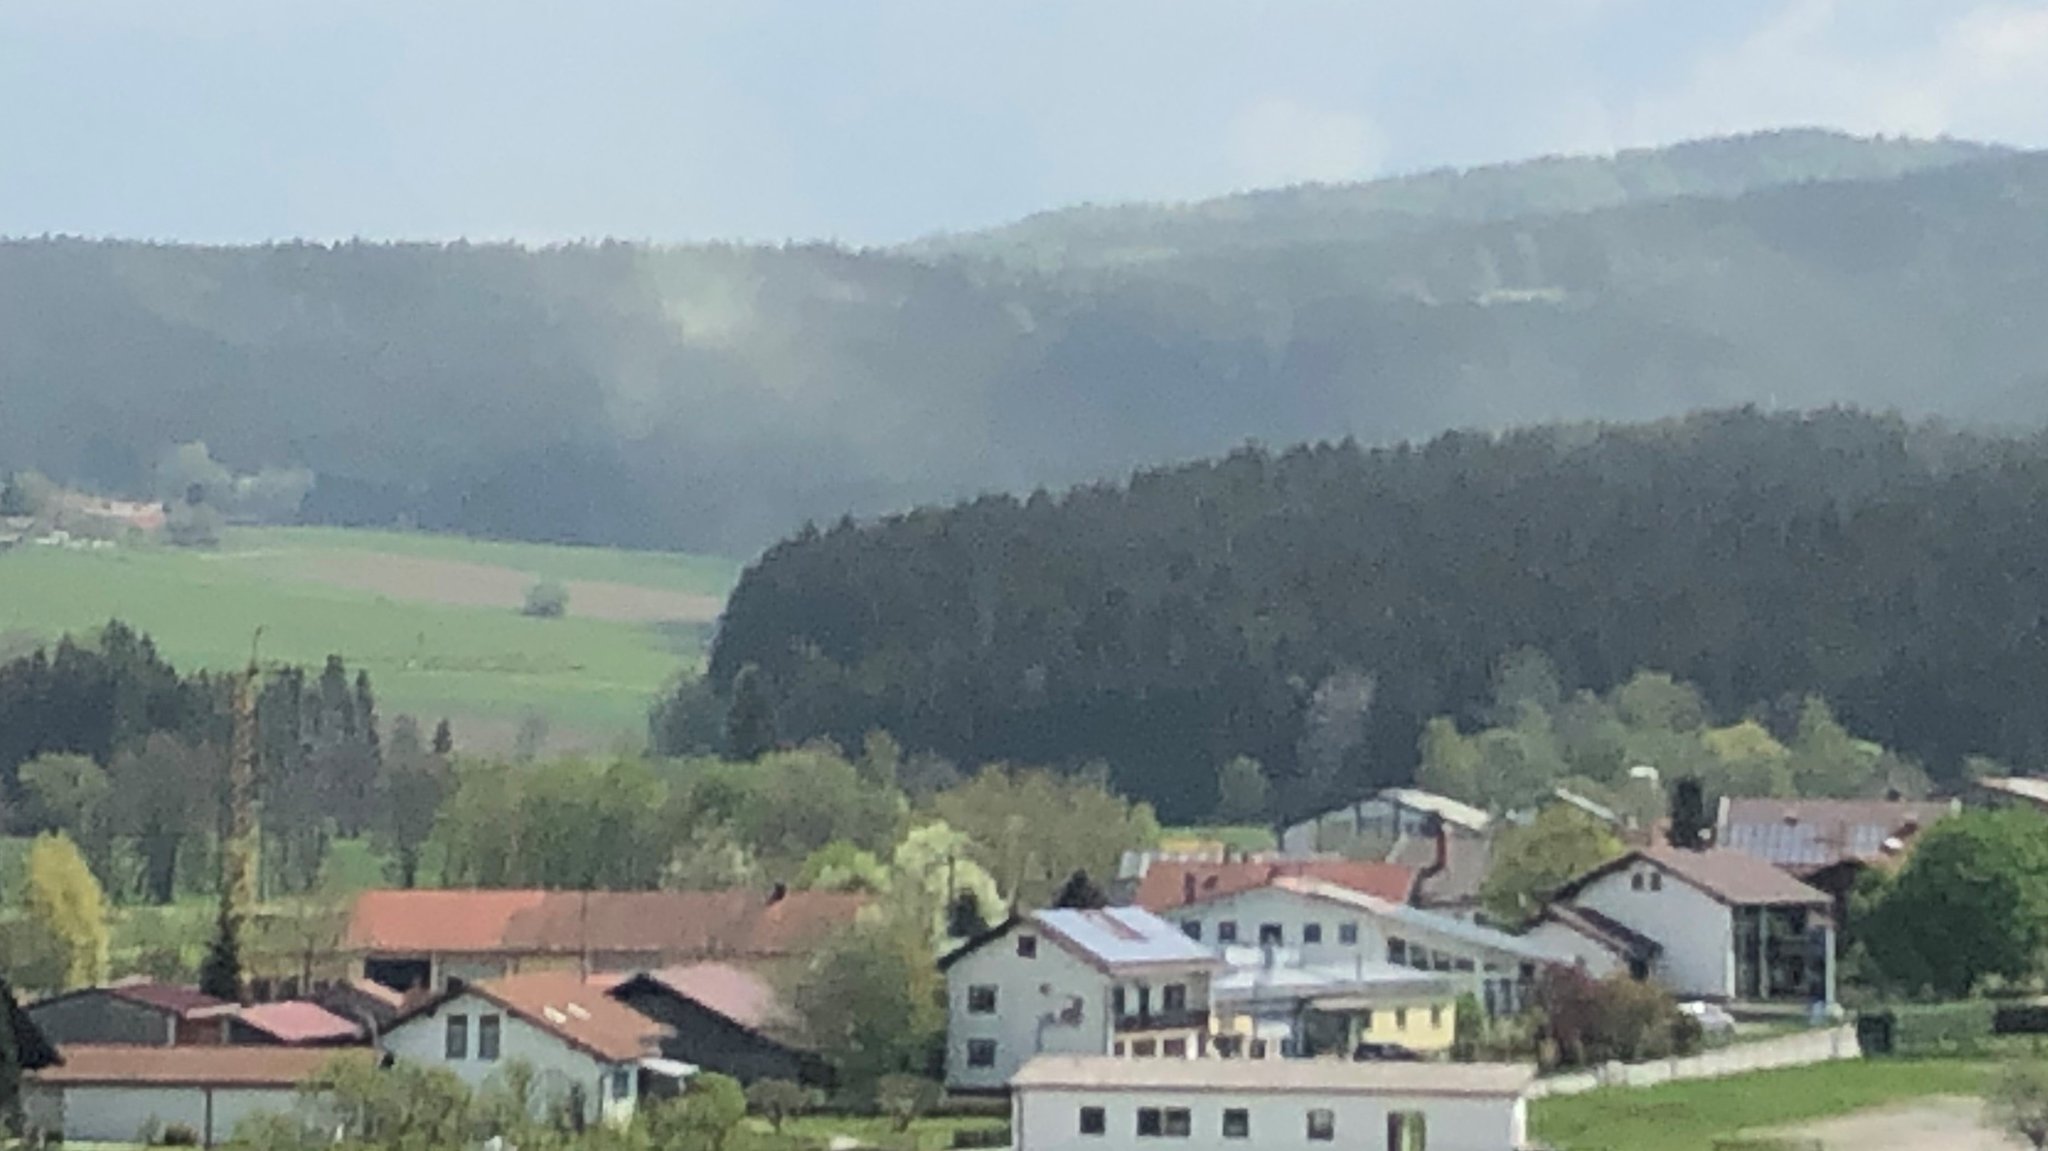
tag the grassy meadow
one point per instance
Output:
(435, 620)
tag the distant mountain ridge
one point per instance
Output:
(715, 397)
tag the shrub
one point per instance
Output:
(777, 1099)
(546, 600)
(1941, 1028)
(1590, 1021)
(178, 1135)
(905, 1097)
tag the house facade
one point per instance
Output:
(127, 1095)
(1067, 1103)
(1116, 981)
(1266, 1007)
(587, 1050)
(1725, 925)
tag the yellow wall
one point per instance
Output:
(1430, 1026)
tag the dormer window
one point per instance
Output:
(1635, 881)
(1656, 881)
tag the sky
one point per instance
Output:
(877, 121)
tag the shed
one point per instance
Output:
(120, 1094)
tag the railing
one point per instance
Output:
(1185, 1020)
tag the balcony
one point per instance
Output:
(1185, 1020)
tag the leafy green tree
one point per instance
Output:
(414, 784)
(64, 918)
(706, 1115)
(1449, 762)
(930, 871)
(26, 493)
(1530, 862)
(841, 866)
(1032, 829)
(164, 796)
(870, 1001)
(776, 1100)
(750, 723)
(547, 599)
(903, 1098)
(2018, 1101)
(70, 793)
(1970, 902)
(1242, 791)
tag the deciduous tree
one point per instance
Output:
(64, 918)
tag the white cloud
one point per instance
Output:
(1281, 141)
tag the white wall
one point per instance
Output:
(1026, 991)
(1598, 961)
(558, 1066)
(1696, 930)
(1048, 1119)
(115, 1114)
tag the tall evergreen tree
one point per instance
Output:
(1690, 826)
(1080, 892)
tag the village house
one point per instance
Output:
(135, 1012)
(721, 1018)
(1716, 924)
(1067, 1102)
(1116, 981)
(1828, 843)
(590, 1053)
(1385, 817)
(1321, 924)
(1266, 1006)
(407, 940)
(132, 1095)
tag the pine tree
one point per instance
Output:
(221, 974)
(1079, 891)
(1689, 826)
(964, 917)
(750, 723)
(444, 739)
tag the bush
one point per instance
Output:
(966, 1138)
(2020, 1019)
(777, 1099)
(1590, 1021)
(178, 1135)
(1941, 1029)
(546, 600)
(905, 1097)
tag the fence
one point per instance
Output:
(1822, 1046)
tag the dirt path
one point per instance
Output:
(1940, 1124)
(462, 584)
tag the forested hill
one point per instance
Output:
(1313, 608)
(714, 398)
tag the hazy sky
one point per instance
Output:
(877, 120)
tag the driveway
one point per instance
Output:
(1943, 1123)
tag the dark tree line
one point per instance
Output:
(1312, 608)
(103, 739)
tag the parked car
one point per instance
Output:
(1713, 1018)
(1384, 1053)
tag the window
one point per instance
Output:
(458, 1037)
(1365, 1020)
(1443, 961)
(1656, 881)
(1407, 1131)
(1027, 947)
(1400, 1019)
(1322, 1125)
(1193, 928)
(1635, 881)
(1397, 952)
(1150, 1123)
(1311, 933)
(1179, 1124)
(1145, 1048)
(1174, 1049)
(1436, 1016)
(1116, 1001)
(981, 999)
(1271, 933)
(1464, 965)
(622, 1083)
(1174, 997)
(1094, 1121)
(1237, 1123)
(487, 1027)
(1226, 931)
(1347, 934)
(981, 1053)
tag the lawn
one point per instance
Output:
(484, 667)
(1692, 1116)
(814, 1131)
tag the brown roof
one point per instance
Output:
(571, 1008)
(1167, 883)
(1466, 861)
(202, 1066)
(1729, 876)
(297, 1022)
(185, 1002)
(1810, 834)
(1610, 933)
(734, 992)
(666, 923)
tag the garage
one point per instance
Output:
(114, 1094)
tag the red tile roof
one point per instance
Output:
(1166, 884)
(734, 992)
(565, 1005)
(204, 1066)
(674, 925)
(296, 1022)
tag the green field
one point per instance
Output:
(1694, 1116)
(435, 620)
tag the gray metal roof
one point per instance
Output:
(1427, 922)
(1116, 936)
(1821, 832)
(1253, 1076)
(1253, 982)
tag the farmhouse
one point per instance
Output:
(129, 1094)
(133, 1012)
(1715, 924)
(722, 1018)
(590, 1052)
(1064, 1102)
(1390, 815)
(1115, 981)
(1827, 842)
(426, 939)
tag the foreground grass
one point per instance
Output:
(589, 679)
(1692, 1116)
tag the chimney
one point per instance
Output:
(1187, 887)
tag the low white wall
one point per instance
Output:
(1798, 1050)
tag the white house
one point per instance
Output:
(1077, 1102)
(1714, 924)
(1118, 981)
(125, 1094)
(1392, 814)
(1321, 924)
(588, 1050)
